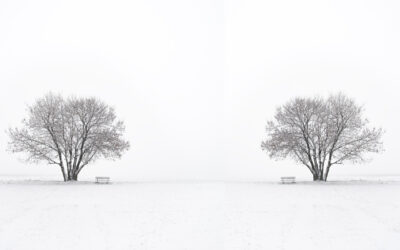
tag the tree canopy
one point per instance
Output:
(69, 133)
(320, 133)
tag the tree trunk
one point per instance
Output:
(326, 172)
(319, 177)
(63, 173)
(72, 176)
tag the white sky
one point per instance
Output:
(196, 81)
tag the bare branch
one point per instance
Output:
(71, 133)
(320, 133)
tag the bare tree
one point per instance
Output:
(69, 133)
(320, 133)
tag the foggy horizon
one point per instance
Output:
(196, 81)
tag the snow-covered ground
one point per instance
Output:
(347, 214)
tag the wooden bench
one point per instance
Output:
(288, 179)
(102, 179)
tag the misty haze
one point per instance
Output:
(226, 124)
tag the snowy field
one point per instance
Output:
(358, 214)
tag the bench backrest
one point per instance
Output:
(288, 179)
(102, 179)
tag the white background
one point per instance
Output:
(196, 81)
